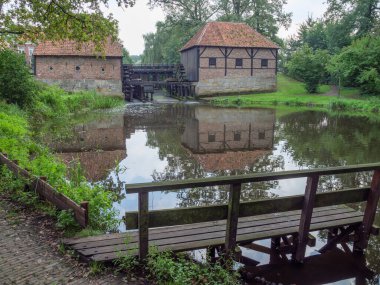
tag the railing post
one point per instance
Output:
(84, 205)
(306, 214)
(143, 220)
(369, 213)
(232, 218)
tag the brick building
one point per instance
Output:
(226, 57)
(78, 67)
(222, 139)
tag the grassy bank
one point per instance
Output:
(18, 141)
(292, 93)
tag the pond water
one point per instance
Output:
(144, 143)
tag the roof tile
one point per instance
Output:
(72, 48)
(228, 34)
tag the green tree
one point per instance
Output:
(266, 16)
(359, 65)
(309, 66)
(31, 20)
(362, 16)
(17, 85)
(126, 57)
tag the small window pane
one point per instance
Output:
(77, 67)
(239, 62)
(237, 136)
(212, 62)
(262, 135)
(211, 137)
(264, 63)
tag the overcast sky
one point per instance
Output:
(139, 20)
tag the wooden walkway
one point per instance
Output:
(287, 221)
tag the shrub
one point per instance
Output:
(359, 65)
(309, 67)
(16, 83)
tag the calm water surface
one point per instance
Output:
(145, 143)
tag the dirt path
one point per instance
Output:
(332, 92)
(29, 253)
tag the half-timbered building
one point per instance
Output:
(226, 57)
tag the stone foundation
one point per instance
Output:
(233, 85)
(106, 87)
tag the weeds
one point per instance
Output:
(167, 269)
(127, 261)
(96, 267)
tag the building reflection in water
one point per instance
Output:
(98, 146)
(229, 139)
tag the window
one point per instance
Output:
(77, 67)
(239, 62)
(21, 50)
(212, 62)
(51, 68)
(264, 63)
(261, 135)
(31, 50)
(237, 136)
(211, 137)
(102, 69)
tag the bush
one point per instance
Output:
(17, 85)
(309, 66)
(359, 65)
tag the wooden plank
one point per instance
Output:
(307, 211)
(254, 232)
(242, 221)
(232, 218)
(143, 225)
(219, 241)
(370, 212)
(257, 177)
(12, 166)
(171, 217)
(209, 228)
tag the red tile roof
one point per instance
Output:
(230, 160)
(72, 48)
(228, 34)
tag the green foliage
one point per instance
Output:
(97, 267)
(362, 17)
(359, 65)
(16, 83)
(16, 140)
(126, 57)
(83, 21)
(309, 67)
(166, 269)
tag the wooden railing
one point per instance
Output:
(143, 218)
(47, 192)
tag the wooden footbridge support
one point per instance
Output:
(287, 221)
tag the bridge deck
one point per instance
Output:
(203, 235)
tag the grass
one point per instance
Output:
(292, 93)
(19, 141)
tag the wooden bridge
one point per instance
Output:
(287, 221)
(140, 81)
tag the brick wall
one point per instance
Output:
(214, 80)
(226, 129)
(59, 67)
(80, 73)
